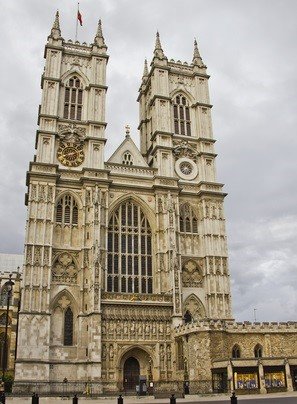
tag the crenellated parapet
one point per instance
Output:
(235, 327)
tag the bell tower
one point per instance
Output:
(66, 209)
(176, 139)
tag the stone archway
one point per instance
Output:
(134, 363)
(131, 373)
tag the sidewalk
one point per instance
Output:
(149, 399)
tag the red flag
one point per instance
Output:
(79, 17)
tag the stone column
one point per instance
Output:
(261, 378)
(230, 376)
(288, 376)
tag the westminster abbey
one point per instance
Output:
(126, 278)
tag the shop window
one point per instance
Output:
(274, 379)
(246, 380)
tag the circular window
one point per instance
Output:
(186, 168)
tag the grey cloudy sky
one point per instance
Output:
(250, 50)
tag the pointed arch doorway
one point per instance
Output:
(131, 374)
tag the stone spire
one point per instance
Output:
(55, 31)
(99, 38)
(158, 51)
(197, 60)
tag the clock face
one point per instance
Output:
(70, 155)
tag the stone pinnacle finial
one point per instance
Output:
(145, 69)
(56, 32)
(127, 128)
(158, 52)
(99, 38)
(197, 60)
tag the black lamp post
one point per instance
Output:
(9, 284)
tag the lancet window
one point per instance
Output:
(188, 222)
(73, 99)
(68, 327)
(235, 351)
(258, 351)
(181, 116)
(4, 295)
(67, 210)
(129, 251)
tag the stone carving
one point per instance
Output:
(191, 274)
(71, 133)
(64, 269)
(184, 149)
(37, 255)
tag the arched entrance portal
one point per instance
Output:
(131, 374)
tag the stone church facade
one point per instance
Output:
(126, 265)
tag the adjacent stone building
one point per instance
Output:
(126, 276)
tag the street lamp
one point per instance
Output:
(8, 285)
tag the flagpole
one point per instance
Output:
(76, 22)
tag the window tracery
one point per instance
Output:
(127, 159)
(129, 251)
(181, 116)
(187, 220)
(67, 210)
(64, 269)
(73, 99)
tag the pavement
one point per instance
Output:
(286, 398)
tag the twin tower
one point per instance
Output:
(119, 253)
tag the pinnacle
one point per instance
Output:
(55, 31)
(158, 52)
(99, 38)
(145, 69)
(197, 60)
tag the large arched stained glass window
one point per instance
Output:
(129, 251)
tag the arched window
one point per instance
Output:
(127, 159)
(181, 116)
(68, 327)
(4, 294)
(67, 210)
(73, 99)
(188, 222)
(235, 351)
(258, 351)
(129, 251)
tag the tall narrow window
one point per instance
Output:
(73, 99)
(235, 351)
(188, 222)
(68, 327)
(181, 116)
(258, 351)
(67, 210)
(129, 251)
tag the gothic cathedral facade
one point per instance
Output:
(121, 255)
